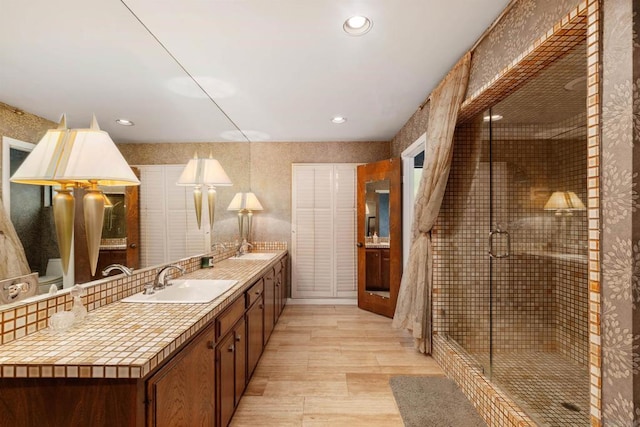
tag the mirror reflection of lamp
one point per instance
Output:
(564, 202)
(76, 158)
(200, 172)
(245, 204)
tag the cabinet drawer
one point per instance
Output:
(226, 320)
(255, 292)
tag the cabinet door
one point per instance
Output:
(183, 391)
(255, 322)
(285, 283)
(385, 269)
(372, 261)
(269, 304)
(240, 358)
(278, 292)
(226, 378)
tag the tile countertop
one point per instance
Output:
(125, 340)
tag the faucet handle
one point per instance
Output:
(148, 289)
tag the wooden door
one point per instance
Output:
(379, 235)
(132, 197)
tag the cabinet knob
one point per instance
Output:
(133, 246)
(238, 337)
(260, 306)
(210, 345)
(359, 244)
(231, 348)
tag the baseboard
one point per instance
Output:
(322, 301)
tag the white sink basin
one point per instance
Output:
(256, 256)
(185, 291)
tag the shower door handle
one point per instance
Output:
(499, 233)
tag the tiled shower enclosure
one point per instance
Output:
(511, 244)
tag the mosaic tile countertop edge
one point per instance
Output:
(126, 340)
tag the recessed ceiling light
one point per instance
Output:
(338, 119)
(125, 122)
(357, 25)
(493, 118)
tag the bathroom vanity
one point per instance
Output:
(137, 364)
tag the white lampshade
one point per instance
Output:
(575, 202)
(557, 201)
(39, 168)
(199, 172)
(204, 172)
(75, 156)
(564, 200)
(245, 201)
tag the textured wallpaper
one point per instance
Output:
(22, 126)
(523, 24)
(620, 163)
(269, 176)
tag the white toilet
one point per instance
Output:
(53, 276)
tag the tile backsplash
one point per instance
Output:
(23, 318)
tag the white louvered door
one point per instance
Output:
(344, 230)
(168, 227)
(323, 231)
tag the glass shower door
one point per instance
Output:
(537, 250)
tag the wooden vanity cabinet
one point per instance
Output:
(183, 392)
(201, 384)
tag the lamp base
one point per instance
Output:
(63, 215)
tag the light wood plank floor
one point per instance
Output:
(330, 366)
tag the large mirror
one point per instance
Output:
(136, 66)
(379, 236)
(377, 246)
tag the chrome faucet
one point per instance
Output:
(159, 283)
(243, 247)
(123, 268)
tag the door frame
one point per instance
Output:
(408, 186)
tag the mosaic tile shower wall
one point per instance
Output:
(533, 304)
(540, 290)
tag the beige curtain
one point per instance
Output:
(13, 261)
(413, 310)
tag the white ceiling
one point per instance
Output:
(278, 70)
